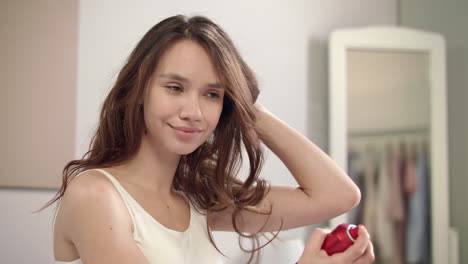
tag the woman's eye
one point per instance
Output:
(174, 88)
(213, 95)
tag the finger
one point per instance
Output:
(359, 247)
(316, 240)
(367, 257)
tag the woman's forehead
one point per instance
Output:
(188, 59)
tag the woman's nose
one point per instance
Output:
(190, 109)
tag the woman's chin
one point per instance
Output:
(185, 151)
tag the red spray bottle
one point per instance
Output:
(342, 237)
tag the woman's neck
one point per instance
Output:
(151, 168)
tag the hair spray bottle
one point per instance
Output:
(342, 237)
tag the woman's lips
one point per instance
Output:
(187, 129)
(186, 133)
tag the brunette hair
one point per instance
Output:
(208, 175)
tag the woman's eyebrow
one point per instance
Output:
(177, 77)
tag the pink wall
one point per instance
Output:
(39, 81)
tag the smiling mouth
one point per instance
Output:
(186, 133)
(187, 129)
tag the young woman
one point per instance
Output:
(161, 172)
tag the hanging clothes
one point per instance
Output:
(383, 238)
(370, 202)
(418, 226)
(397, 204)
(356, 173)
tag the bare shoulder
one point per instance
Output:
(91, 196)
(90, 184)
(94, 224)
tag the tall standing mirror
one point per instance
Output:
(388, 130)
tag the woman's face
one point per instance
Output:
(184, 99)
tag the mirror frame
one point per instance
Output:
(396, 38)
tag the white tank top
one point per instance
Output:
(163, 245)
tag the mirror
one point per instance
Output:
(388, 130)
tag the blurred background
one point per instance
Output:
(60, 58)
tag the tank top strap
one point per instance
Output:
(125, 195)
(57, 208)
(140, 217)
(127, 198)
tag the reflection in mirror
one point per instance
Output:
(388, 127)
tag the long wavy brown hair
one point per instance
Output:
(209, 175)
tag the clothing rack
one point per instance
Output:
(392, 169)
(410, 138)
(389, 132)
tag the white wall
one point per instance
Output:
(284, 43)
(25, 236)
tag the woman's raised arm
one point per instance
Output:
(325, 190)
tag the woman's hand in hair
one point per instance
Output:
(361, 252)
(260, 110)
